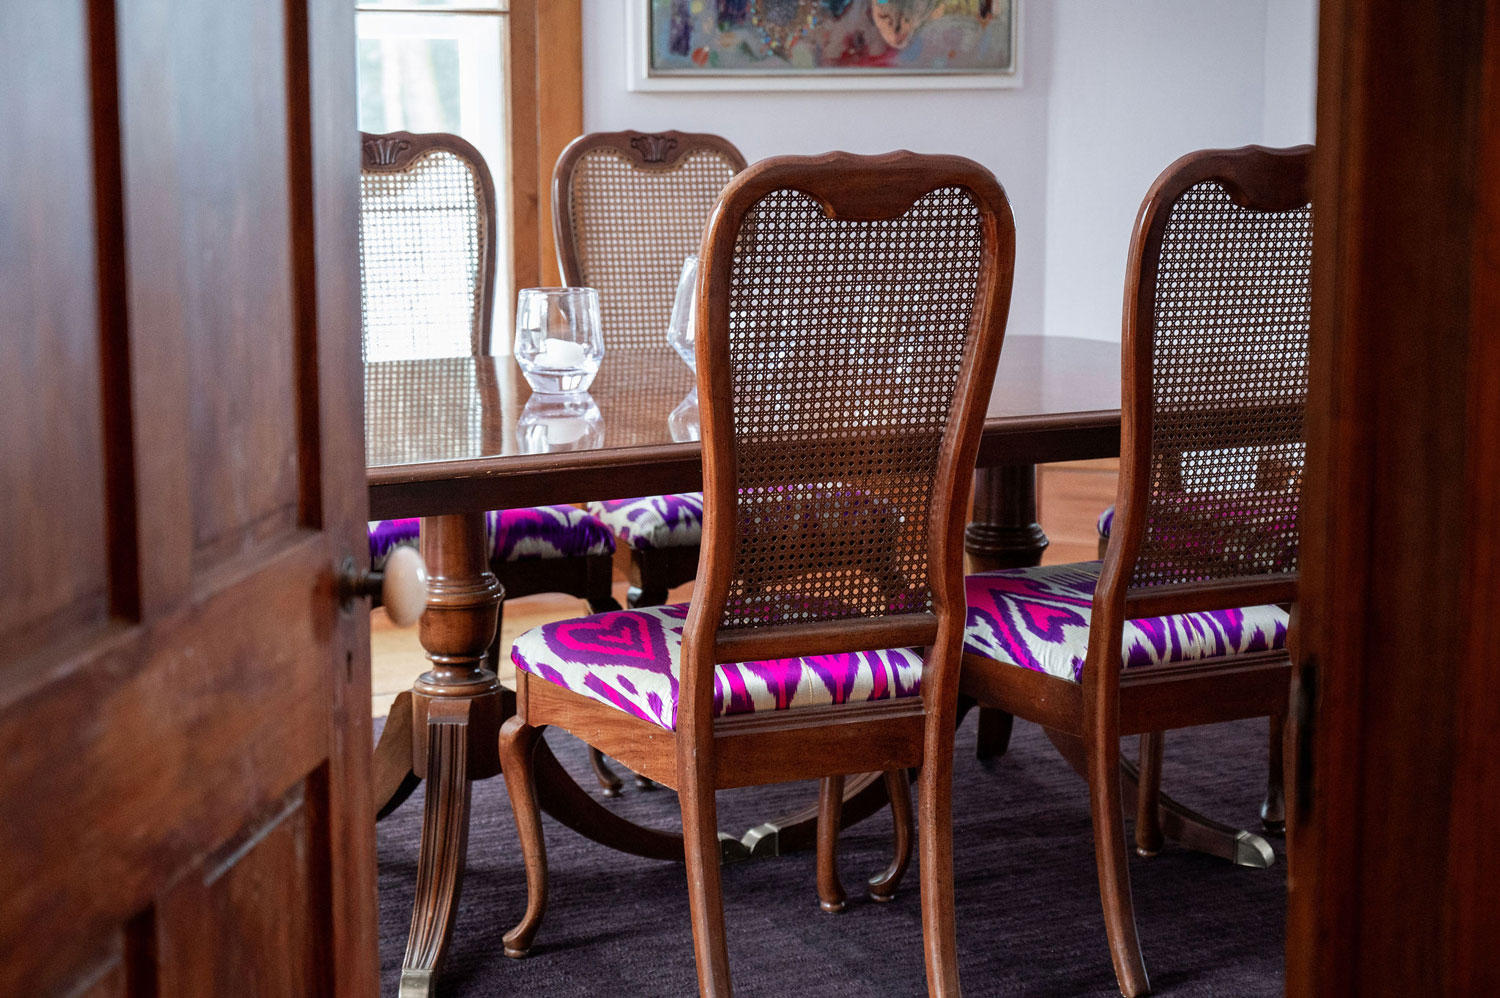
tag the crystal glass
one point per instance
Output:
(558, 340)
(682, 327)
(552, 423)
(682, 422)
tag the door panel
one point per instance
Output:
(246, 920)
(51, 357)
(183, 700)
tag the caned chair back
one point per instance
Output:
(426, 247)
(1218, 303)
(851, 315)
(627, 208)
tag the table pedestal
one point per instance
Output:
(446, 731)
(454, 729)
(1004, 534)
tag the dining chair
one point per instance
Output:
(427, 286)
(852, 310)
(1185, 621)
(627, 208)
(1271, 473)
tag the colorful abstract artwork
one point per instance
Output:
(843, 41)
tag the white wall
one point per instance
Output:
(1004, 130)
(1291, 71)
(1113, 92)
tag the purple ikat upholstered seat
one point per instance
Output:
(527, 534)
(630, 659)
(1038, 619)
(651, 522)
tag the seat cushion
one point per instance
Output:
(670, 521)
(1038, 618)
(1106, 521)
(630, 659)
(526, 534)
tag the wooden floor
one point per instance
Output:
(1070, 498)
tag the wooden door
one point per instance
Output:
(1395, 870)
(184, 704)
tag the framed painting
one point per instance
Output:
(823, 44)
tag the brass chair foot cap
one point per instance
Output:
(832, 907)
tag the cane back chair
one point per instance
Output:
(627, 208)
(852, 311)
(1186, 621)
(427, 267)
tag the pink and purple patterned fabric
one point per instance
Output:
(630, 659)
(1038, 618)
(670, 521)
(527, 534)
(1106, 521)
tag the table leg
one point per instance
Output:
(454, 729)
(1178, 821)
(1004, 534)
(393, 777)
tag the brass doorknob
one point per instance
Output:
(401, 584)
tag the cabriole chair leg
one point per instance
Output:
(1273, 809)
(831, 896)
(1113, 866)
(518, 742)
(882, 886)
(609, 783)
(700, 835)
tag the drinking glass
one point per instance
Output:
(558, 340)
(682, 327)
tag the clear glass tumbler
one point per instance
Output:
(559, 343)
(682, 327)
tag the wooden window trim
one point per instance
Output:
(546, 42)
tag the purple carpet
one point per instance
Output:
(1029, 921)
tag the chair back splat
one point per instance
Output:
(627, 208)
(852, 310)
(426, 247)
(1214, 357)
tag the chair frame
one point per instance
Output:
(589, 578)
(394, 152)
(651, 572)
(705, 753)
(1088, 718)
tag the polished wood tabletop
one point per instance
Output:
(460, 434)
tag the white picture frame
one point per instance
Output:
(639, 76)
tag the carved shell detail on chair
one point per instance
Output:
(383, 150)
(654, 148)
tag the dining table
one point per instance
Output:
(448, 439)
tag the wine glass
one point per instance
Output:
(682, 327)
(558, 340)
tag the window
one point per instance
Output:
(441, 66)
(505, 74)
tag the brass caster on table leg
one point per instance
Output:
(1253, 851)
(762, 840)
(418, 984)
(731, 850)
